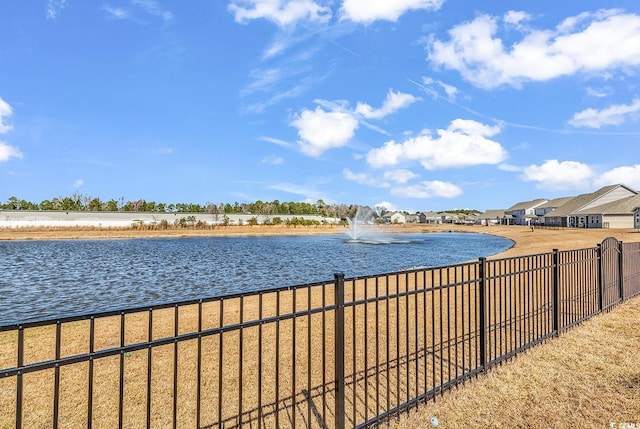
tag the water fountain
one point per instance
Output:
(363, 229)
(362, 224)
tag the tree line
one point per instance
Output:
(79, 202)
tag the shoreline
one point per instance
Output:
(524, 240)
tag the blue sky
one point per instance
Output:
(411, 104)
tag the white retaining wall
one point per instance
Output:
(24, 218)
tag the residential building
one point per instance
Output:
(429, 217)
(522, 213)
(573, 213)
(411, 218)
(449, 217)
(394, 217)
(472, 219)
(616, 214)
(492, 217)
(548, 207)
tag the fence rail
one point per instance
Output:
(350, 352)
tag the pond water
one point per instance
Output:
(47, 279)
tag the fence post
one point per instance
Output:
(483, 313)
(600, 277)
(19, 381)
(621, 270)
(339, 350)
(555, 283)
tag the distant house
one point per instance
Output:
(574, 212)
(429, 217)
(524, 212)
(544, 209)
(616, 214)
(636, 217)
(472, 219)
(411, 218)
(394, 217)
(492, 217)
(449, 218)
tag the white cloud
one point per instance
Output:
(515, 18)
(116, 12)
(450, 90)
(368, 11)
(400, 175)
(427, 86)
(310, 195)
(428, 189)
(277, 47)
(387, 205)
(78, 183)
(5, 112)
(154, 9)
(333, 123)
(589, 43)
(363, 179)
(612, 115)
(149, 7)
(628, 175)
(320, 130)
(288, 78)
(393, 102)
(554, 175)
(572, 22)
(276, 141)
(7, 152)
(599, 92)
(464, 143)
(54, 7)
(263, 80)
(391, 153)
(375, 128)
(301, 87)
(510, 168)
(281, 12)
(273, 160)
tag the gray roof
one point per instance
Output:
(448, 215)
(524, 205)
(623, 206)
(492, 214)
(574, 204)
(555, 203)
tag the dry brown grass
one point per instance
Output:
(88, 232)
(221, 360)
(587, 378)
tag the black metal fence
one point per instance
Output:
(343, 353)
